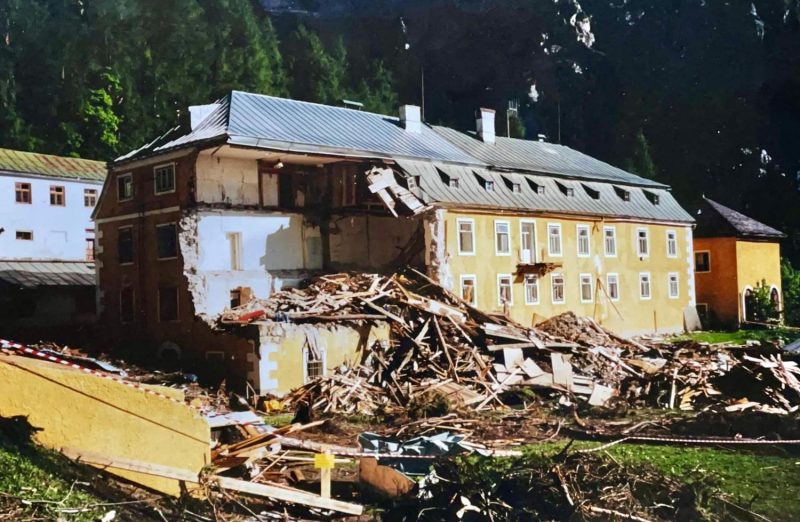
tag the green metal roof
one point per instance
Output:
(47, 165)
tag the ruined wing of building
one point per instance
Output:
(47, 274)
(733, 254)
(262, 192)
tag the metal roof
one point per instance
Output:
(715, 220)
(281, 124)
(434, 187)
(538, 156)
(33, 274)
(16, 161)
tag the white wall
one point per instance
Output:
(58, 232)
(227, 180)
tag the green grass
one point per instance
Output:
(742, 336)
(768, 484)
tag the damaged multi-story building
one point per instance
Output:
(261, 192)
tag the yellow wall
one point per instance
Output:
(634, 316)
(282, 346)
(81, 413)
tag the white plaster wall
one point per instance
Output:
(270, 244)
(58, 232)
(227, 180)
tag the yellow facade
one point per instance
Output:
(735, 266)
(629, 314)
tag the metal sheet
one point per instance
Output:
(33, 274)
(18, 162)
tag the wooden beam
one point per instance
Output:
(295, 496)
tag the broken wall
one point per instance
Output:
(364, 242)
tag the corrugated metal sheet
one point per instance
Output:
(542, 157)
(15, 161)
(33, 274)
(471, 192)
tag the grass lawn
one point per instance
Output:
(768, 484)
(742, 336)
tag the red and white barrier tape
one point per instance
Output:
(98, 373)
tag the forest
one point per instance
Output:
(701, 94)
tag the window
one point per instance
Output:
(527, 231)
(516, 187)
(702, 313)
(554, 239)
(164, 176)
(567, 191)
(126, 305)
(24, 235)
(504, 291)
(489, 185)
(313, 362)
(592, 193)
(466, 237)
(531, 289)
(537, 188)
(124, 187)
(612, 286)
(624, 195)
(610, 241)
(89, 254)
(167, 241)
(235, 249)
(672, 243)
(652, 197)
(583, 241)
(702, 262)
(167, 303)
(586, 288)
(57, 196)
(468, 289)
(673, 287)
(454, 183)
(502, 238)
(644, 285)
(89, 197)
(125, 245)
(557, 284)
(642, 242)
(23, 193)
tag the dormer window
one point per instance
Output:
(513, 186)
(537, 188)
(592, 193)
(445, 177)
(516, 187)
(453, 183)
(625, 195)
(488, 185)
(654, 198)
(567, 191)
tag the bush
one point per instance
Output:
(790, 280)
(760, 306)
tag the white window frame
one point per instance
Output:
(560, 253)
(535, 278)
(677, 293)
(522, 223)
(609, 276)
(323, 354)
(510, 290)
(673, 241)
(177, 243)
(613, 231)
(155, 179)
(553, 299)
(235, 250)
(120, 177)
(474, 279)
(646, 242)
(649, 295)
(471, 222)
(581, 280)
(508, 231)
(708, 253)
(588, 230)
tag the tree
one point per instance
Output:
(377, 92)
(641, 161)
(315, 73)
(790, 283)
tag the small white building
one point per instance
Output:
(47, 237)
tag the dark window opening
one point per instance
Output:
(592, 193)
(654, 198)
(124, 187)
(168, 303)
(236, 298)
(536, 187)
(567, 191)
(167, 241)
(625, 195)
(23, 193)
(125, 245)
(702, 262)
(24, 235)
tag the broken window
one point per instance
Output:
(167, 241)
(644, 285)
(125, 245)
(126, 305)
(531, 289)
(674, 288)
(124, 187)
(57, 196)
(468, 288)
(586, 288)
(89, 197)
(554, 239)
(504, 292)
(24, 235)
(583, 241)
(610, 241)
(702, 262)
(23, 193)
(236, 298)
(557, 283)
(672, 244)
(466, 237)
(168, 303)
(612, 286)
(642, 242)
(164, 176)
(502, 238)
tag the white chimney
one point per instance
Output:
(410, 117)
(485, 122)
(198, 113)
